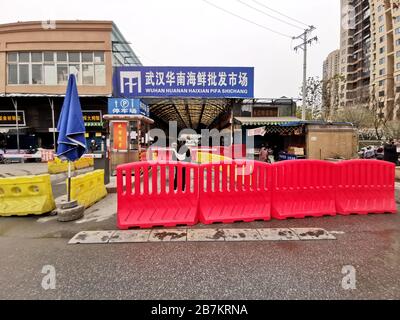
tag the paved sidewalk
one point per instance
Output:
(22, 169)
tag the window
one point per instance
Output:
(99, 57)
(100, 75)
(37, 74)
(37, 57)
(24, 57)
(398, 78)
(381, 28)
(381, 39)
(87, 74)
(23, 74)
(398, 54)
(382, 50)
(62, 74)
(381, 83)
(75, 70)
(74, 57)
(380, 8)
(49, 57)
(87, 57)
(397, 30)
(61, 57)
(13, 74)
(381, 60)
(53, 68)
(398, 66)
(381, 72)
(50, 75)
(12, 57)
(380, 18)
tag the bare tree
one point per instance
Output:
(376, 105)
(331, 96)
(392, 130)
(313, 99)
(360, 117)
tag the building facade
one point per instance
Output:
(370, 55)
(331, 82)
(36, 59)
(385, 58)
(355, 52)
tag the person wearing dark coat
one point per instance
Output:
(390, 152)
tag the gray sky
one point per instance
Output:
(193, 33)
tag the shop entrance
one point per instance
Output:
(196, 114)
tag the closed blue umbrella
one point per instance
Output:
(71, 128)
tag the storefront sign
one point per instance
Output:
(127, 107)
(195, 82)
(120, 136)
(257, 132)
(8, 118)
(92, 118)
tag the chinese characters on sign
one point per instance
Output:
(204, 82)
(8, 118)
(127, 107)
(120, 136)
(92, 116)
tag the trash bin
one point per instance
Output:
(101, 162)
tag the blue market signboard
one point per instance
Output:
(127, 107)
(190, 82)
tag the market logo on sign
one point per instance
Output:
(129, 80)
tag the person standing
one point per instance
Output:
(390, 152)
(263, 157)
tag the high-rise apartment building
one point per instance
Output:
(355, 52)
(385, 57)
(370, 55)
(331, 82)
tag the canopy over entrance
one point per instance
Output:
(189, 113)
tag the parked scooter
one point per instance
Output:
(371, 152)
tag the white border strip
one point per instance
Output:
(202, 235)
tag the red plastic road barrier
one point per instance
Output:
(366, 186)
(165, 194)
(303, 188)
(233, 192)
(236, 151)
(161, 154)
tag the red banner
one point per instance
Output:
(120, 136)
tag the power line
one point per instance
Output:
(247, 20)
(267, 14)
(280, 13)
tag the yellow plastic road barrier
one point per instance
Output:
(57, 166)
(83, 163)
(205, 158)
(23, 196)
(88, 188)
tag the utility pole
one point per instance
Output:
(305, 42)
(15, 104)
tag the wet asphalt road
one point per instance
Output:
(256, 270)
